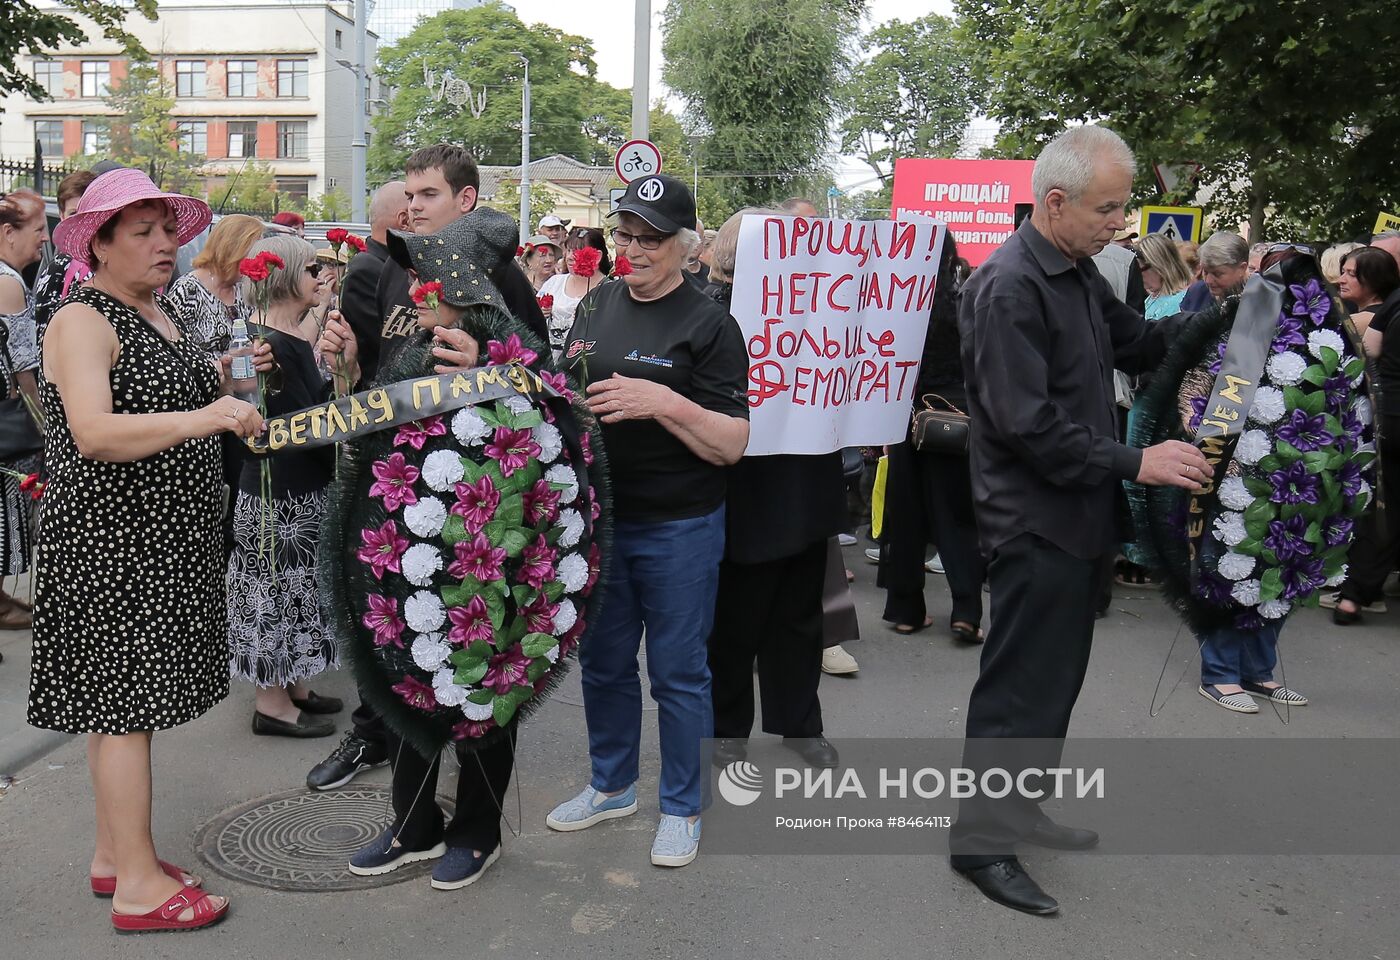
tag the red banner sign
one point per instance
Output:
(975, 198)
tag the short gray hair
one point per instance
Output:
(725, 249)
(1386, 235)
(1067, 162)
(689, 241)
(284, 284)
(1223, 249)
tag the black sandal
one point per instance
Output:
(967, 632)
(904, 629)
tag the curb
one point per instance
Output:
(19, 750)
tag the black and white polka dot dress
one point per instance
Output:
(129, 581)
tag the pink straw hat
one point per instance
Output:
(106, 196)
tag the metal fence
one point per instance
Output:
(35, 174)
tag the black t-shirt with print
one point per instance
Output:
(685, 341)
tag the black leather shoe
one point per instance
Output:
(306, 726)
(1007, 883)
(1048, 833)
(315, 703)
(353, 755)
(729, 749)
(817, 751)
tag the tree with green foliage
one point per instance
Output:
(1288, 105)
(142, 135)
(251, 187)
(568, 109)
(24, 28)
(543, 200)
(333, 205)
(761, 81)
(911, 95)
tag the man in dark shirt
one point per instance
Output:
(388, 210)
(1041, 335)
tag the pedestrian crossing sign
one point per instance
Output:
(1174, 223)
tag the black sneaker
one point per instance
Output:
(352, 755)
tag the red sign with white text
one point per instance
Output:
(975, 198)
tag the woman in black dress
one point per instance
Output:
(128, 596)
(277, 639)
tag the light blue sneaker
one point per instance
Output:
(677, 841)
(591, 807)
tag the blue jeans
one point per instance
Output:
(1231, 656)
(663, 578)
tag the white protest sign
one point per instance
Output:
(834, 315)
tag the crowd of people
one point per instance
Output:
(157, 578)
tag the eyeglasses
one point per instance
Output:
(647, 241)
(314, 269)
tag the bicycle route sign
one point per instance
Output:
(637, 158)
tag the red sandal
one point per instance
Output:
(166, 916)
(106, 887)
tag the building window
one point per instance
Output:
(94, 138)
(338, 38)
(49, 75)
(291, 78)
(193, 137)
(243, 78)
(189, 78)
(291, 139)
(242, 138)
(97, 78)
(294, 189)
(49, 133)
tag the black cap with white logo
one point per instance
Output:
(664, 202)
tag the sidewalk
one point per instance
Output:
(595, 894)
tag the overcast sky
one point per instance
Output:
(609, 24)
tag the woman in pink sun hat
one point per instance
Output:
(129, 600)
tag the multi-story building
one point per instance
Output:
(392, 20)
(583, 193)
(265, 80)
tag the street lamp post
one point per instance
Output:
(641, 73)
(359, 149)
(525, 152)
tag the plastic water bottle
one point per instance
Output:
(241, 370)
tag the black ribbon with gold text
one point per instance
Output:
(1227, 409)
(382, 408)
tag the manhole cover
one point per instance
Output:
(301, 841)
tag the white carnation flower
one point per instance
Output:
(1326, 338)
(420, 562)
(1364, 494)
(426, 517)
(1339, 579)
(468, 427)
(430, 651)
(1234, 495)
(476, 711)
(1361, 407)
(423, 612)
(1268, 405)
(519, 404)
(551, 442)
(448, 691)
(565, 617)
(562, 473)
(1236, 566)
(573, 572)
(441, 469)
(552, 654)
(1286, 369)
(1229, 528)
(1253, 446)
(1246, 592)
(571, 521)
(1273, 609)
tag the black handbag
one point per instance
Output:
(19, 434)
(940, 430)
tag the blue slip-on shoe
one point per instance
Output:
(677, 841)
(462, 868)
(381, 856)
(591, 807)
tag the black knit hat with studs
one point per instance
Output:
(461, 256)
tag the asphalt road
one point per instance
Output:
(595, 894)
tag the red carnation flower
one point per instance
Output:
(546, 302)
(622, 268)
(335, 236)
(427, 294)
(520, 251)
(357, 242)
(586, 261)
(28, 482)
(254, 269)
(270, 259)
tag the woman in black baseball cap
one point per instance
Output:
(665, 369)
